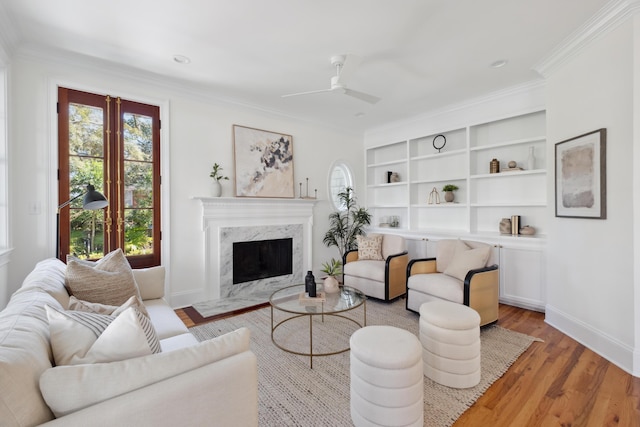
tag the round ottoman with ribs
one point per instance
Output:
(450, 337)
(387, 382)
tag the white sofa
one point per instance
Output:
(188, 383)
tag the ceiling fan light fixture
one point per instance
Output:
(499, 63)
(181, 59)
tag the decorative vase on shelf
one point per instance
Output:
(531, 160)
(449, 196)
(216, 190)
(505, 226)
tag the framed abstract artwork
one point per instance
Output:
(264, 163)
(581, 178)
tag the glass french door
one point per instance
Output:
(114, 145)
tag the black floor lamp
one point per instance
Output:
(93, 200)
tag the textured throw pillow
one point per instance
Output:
(113, 310)
(370, 247)
(108, 281)
(465, 260)
(81, 337)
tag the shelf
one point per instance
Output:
(389, 163)
(509, 143)
(510, 174)
(387, 206)
(508, 205)
(438, 155)
(439, 206)
(390, 184)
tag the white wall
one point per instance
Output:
(196, 134)
(592, 270)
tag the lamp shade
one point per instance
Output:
(93, 199)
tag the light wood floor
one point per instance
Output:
(557, 382)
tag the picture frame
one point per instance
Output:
(581, 178)
(263, 163)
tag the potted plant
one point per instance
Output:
(332, 268)
(216, 174)
(347, 223)
(448, 192)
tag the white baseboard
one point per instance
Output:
(186, 299)
(522, 303)
(616, 352)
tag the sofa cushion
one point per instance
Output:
(67, 389)
(438, 285)
(107, 281)
(372, 270)
(467, 259)
(370, 247)
(150, 282)
(82, 337)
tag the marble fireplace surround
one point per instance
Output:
(229, 219)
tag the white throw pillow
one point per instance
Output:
(108, 281)
(370, 247)
(113, 310)
(467, 259)
(81, 337)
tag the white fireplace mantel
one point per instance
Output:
(222, 212)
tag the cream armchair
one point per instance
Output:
(462, 272)
(378, 267)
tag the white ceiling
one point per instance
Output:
(417, 55)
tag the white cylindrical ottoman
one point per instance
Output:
(387, 382)
(450, 337)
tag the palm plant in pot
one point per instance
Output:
(332, 268)
(448, 192)
(217, 176)
(346, 224)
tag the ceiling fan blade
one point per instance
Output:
(305, 93)
(362, 96)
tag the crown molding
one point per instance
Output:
(8, 36)
(607, 18)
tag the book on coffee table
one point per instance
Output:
(304, 297)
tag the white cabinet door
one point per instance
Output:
(522, 277)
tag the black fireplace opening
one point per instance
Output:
(261, 259)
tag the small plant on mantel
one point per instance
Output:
(449, 187)
(216, 173)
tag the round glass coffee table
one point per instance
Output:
(292, 300)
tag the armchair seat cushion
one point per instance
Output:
(366, 269)
(438, 285)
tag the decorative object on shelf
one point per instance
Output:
(528, 230)
(434, 197)
(307, 196)
(264, 163)
(494, 166)
(389, 177)
(531, 160)
(216, 174)
(448, 189)
(310, 284)
(581, 178)
(394, 221)
(332, 268)
(512, 164)
(346, 224)
(505, 226)
(395, 177)
(515, 224)
(439, 140)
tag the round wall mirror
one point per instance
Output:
(340, 177)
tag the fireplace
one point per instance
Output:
(228, 220)
(261, 259)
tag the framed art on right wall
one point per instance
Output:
(581, 177)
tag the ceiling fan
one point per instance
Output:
(338, 86)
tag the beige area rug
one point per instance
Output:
(292, 394)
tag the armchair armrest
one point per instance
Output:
(421, 266)
(350, 256)
(481, 292)
(396, 274)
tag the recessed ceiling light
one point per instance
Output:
(181, 59)
(499, 63)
